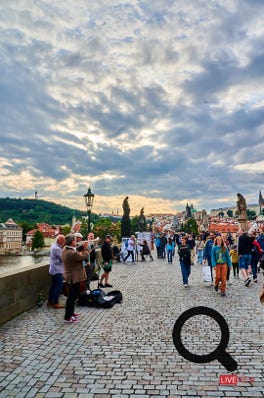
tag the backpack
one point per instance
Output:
(261, 262)
(98, 298)
(254, 253)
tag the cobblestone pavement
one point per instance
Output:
(128, 351)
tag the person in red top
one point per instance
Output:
(255, 256)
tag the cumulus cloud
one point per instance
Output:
(160, 101)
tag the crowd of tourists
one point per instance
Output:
(72, 261)
(241, 253)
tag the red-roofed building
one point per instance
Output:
(49, 233)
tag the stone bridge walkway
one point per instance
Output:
(128, 351)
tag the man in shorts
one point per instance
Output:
(107, 256)
(245, 245)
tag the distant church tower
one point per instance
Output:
(36, 195)
(188, 211)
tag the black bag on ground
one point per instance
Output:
(98, 298)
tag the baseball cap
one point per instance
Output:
(78, 235)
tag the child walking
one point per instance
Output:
(234, 260)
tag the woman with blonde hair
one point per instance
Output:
(220, 261)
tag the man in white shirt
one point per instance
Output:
(130, 248)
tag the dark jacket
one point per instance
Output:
(245, 244)
(145, 248)
(106, 251)
(208, 249)
(73, 265)
(184, 252)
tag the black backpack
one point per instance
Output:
(261, 262)
(98, 298)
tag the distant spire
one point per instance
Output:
(36, 195)
(261, 200)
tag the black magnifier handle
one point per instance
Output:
(226, 360)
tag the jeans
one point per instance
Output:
(56, 288)
(169, 254)
(254, 267)
(89, 273)
(162, 252)
(74, 291)
(186, 271)
(200, 256)
(130, 252)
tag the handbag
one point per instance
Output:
(206, 273)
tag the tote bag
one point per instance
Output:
(206, 273)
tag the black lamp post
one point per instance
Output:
(89, 198)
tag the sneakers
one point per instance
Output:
(216, 288)
(108, 285)
(255, 280)
(72, 319)
(101, 285)
(247, 281)
(223, 294)
(186, 285)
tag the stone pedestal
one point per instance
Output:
(243, 224)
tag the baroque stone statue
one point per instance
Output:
(126, 208)
(242, 213)
(142, 221)
(241, 206)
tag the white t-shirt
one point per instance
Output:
(131, 244)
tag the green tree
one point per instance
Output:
(38, 240)
(191, 226)
(251, 214)
(125, 226)
(221, 214)
(66, 229)
(230, 213)
(105, 226)
(134, 225)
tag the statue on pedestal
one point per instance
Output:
(126, 208)
(242, 212)
(142, 221)
(125, 222)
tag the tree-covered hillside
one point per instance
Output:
(33, 211)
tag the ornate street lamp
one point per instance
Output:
(89, 198)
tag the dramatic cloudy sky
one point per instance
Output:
(160, 100)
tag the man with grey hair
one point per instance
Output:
(56, 271)
(74, 273)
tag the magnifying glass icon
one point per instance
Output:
(219, 353)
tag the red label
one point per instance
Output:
(228, 379)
